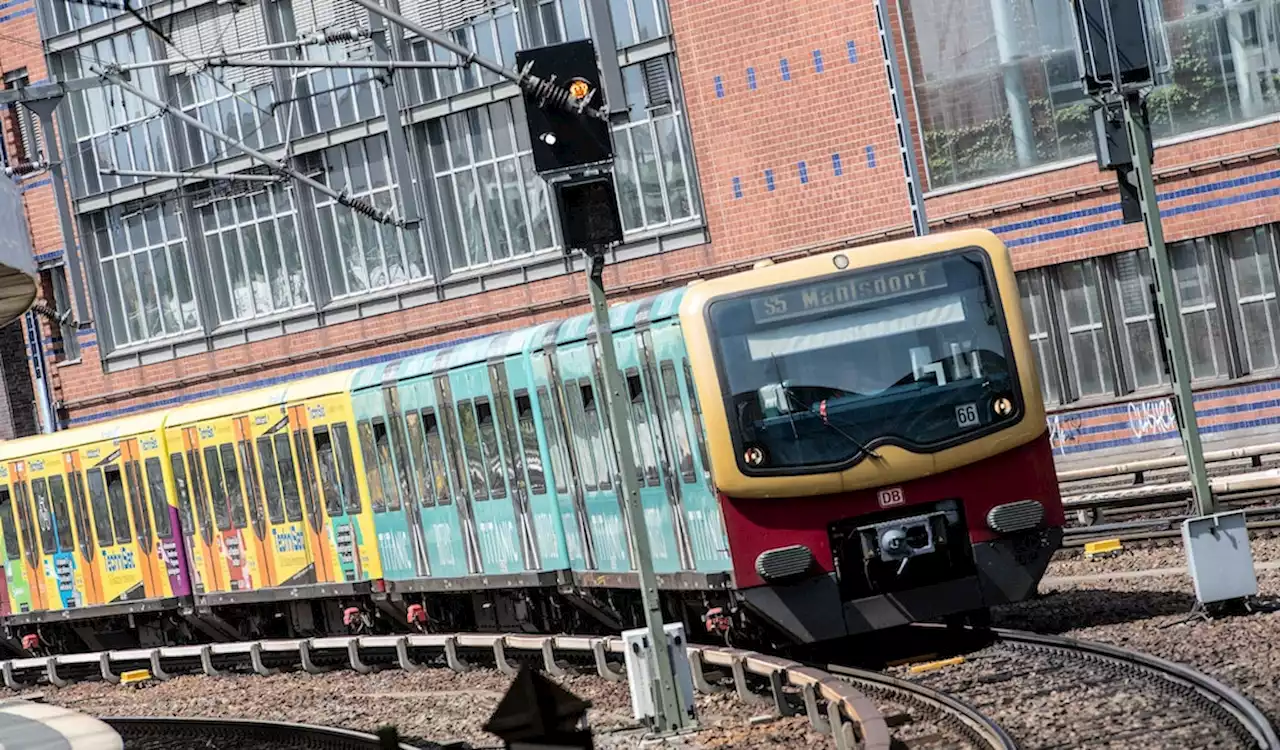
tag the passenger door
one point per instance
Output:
(193, 512)
(31, 555)
(464, 500)
(17, 580)
(244, 454)
(293, 563)
(144, 537)
(84, 528)
(318, 540)
(564, 484)
(447, 548)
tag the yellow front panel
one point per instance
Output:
(896, 464)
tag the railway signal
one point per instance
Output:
(1117, 69)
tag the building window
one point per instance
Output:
(112, 128)
(361, 255)
(1253, 280)
(487, 196)
(1198, 303)
(491, 35)
(636, 21)
(69, 15)
(653, 162)
(997, 89)
(1141, 347)
(144, 273)
(1036, 315)
(239, 110)
(330, 98)
(556, 21)
(1088, 349)
(251, 241)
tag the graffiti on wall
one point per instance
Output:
(1154, 417)
(1064, 429)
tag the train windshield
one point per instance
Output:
(821, 372)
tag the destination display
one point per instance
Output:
(849, 290)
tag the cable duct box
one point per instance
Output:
(1219, 557)
(642, 675)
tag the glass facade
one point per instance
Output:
(997, 89)
(1101, 320)
(217, 256)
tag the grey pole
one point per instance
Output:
(44, 110)
(670, 717)
(1136, 123)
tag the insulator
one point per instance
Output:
(23, 168)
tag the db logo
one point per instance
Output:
(891, 497)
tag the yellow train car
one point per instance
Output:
(332, 475)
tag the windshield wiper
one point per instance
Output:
(793, 399)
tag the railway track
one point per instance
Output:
(167, 733)
(1109, 696)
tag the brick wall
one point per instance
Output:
(743, 136)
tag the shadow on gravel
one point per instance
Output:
(1060, 611)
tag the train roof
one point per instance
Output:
(221, 406)
(35, 445)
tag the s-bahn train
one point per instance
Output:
(825, 447)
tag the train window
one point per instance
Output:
(418, 449)
(492, 453)
(101, 515)
(11, 543)
(647, 458)
(347, 465)
(252, 489)
(44, 516)
(159, 498)
(696, 410)
(449, 438)
(217, 491)
(435, 452)
(554, 447)
(471, 444)
(200, 495)
(598, 441)
(386, 466)
(514, 465)
(25, 523)
(184, 494)
(270, 479)
(79, 503)
(288, 480)
(679, 427)
(369, 453)
(61, 513)
(404, 467)
(529, 444)
(329, 482)
(578, 434)
(235, 497)
(119, 505)
(307, 465)
(141, 517)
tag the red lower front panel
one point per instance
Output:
(755, 526)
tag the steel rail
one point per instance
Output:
(1245, 720)
(981, 730)
(833, 706)
(276, 733)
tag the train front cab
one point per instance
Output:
(876, 434)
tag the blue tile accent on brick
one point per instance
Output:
(851, 47)
(19, 14)
(786, 69)
(737, 187)
(804, 173)
(871, 157)
(768, 180)
(751, 79)
(719, 88)
(12, 3)
(817, 60)
(836, 165)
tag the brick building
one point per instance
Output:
(744, 130)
